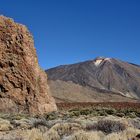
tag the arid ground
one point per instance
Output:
(75, 121)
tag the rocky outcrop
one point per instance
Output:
(23, 85)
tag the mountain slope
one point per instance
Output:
(101, 75)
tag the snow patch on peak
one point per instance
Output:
(107, 59)
(99, 60)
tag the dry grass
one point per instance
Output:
(128, 134)
(5, 125)
(82, 135)
(51, 135)
(34, 134)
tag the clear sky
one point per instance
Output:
(69, 31)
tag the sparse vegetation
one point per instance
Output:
(76, 123)
(101, 111)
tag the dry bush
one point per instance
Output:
(107, 126)
(58, 131)
(135, 123)
(38, 122)
(5, 125)
(66, 128)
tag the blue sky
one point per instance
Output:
(69, 31)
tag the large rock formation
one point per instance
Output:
(23, 85)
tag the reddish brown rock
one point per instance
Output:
(23, 85)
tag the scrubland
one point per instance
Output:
(73, 123)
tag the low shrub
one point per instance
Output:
(66, 128)
(111, 111)
(119, 114)
(86, 112)
(39, 122)
(107, 126)
(14, 116)
(135, 123)
(51, 116)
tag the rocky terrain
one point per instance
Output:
(98, 80)
(23, 85)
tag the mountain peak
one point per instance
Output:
(99, 60)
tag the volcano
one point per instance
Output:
(100, 79)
